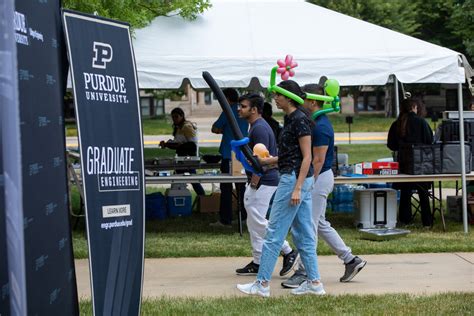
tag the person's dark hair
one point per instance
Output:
(180, 112)
(255, 100)
(314, 88)
(406, 107)
(267, 110)
(231, 94)
(295, 88)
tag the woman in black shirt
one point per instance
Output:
(411, 128)
(292, 205)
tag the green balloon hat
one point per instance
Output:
(331, 99)
(331, 88)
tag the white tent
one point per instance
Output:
(237, 40)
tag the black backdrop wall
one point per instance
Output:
(48, 258)
(7, 95)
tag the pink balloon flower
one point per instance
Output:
(285, 68)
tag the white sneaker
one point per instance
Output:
(307, 287)
(255, 288)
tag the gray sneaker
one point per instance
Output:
(352, 269)
(219, 224)
(295, 280)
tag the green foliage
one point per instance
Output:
(436, 27)
(448, 23)
(398, 15)
(139, 13)
(462, 24)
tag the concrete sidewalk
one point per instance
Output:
(214, 277)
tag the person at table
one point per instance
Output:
(292, 203)
(267, 114)
(323, 152)
(411, 128)
(184, 142)
(259, 189)
(222, 126)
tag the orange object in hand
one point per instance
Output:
(261, 150)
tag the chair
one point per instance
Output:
(416, 207)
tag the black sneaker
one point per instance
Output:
(352, 268)
(250, 269)
(289, 262)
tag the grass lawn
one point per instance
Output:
(387, 304)
(151, 126)
(192, 237)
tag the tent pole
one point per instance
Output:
(463, 159)
(397, 98)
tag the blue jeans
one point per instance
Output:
(282, 216)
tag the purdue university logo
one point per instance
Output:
(102, 55)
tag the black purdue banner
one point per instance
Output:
(40, 258)
(110, 137)
(7, 96)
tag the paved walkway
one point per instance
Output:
(214, 277)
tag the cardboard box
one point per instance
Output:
(380, 165)
(376, 168)
(236, 167)
(383, 172)
(209, 203)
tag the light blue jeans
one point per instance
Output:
(299, 217)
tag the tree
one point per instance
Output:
(448, 23)
(397, 15)
(462, 25)
(139, 13)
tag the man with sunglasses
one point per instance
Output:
(260, 188)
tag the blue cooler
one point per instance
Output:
(155, 206)
(342, 198)
(378, 185)
(178, 199)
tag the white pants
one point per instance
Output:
(256, 204)
(322, 228)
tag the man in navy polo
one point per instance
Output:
(222, 126)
